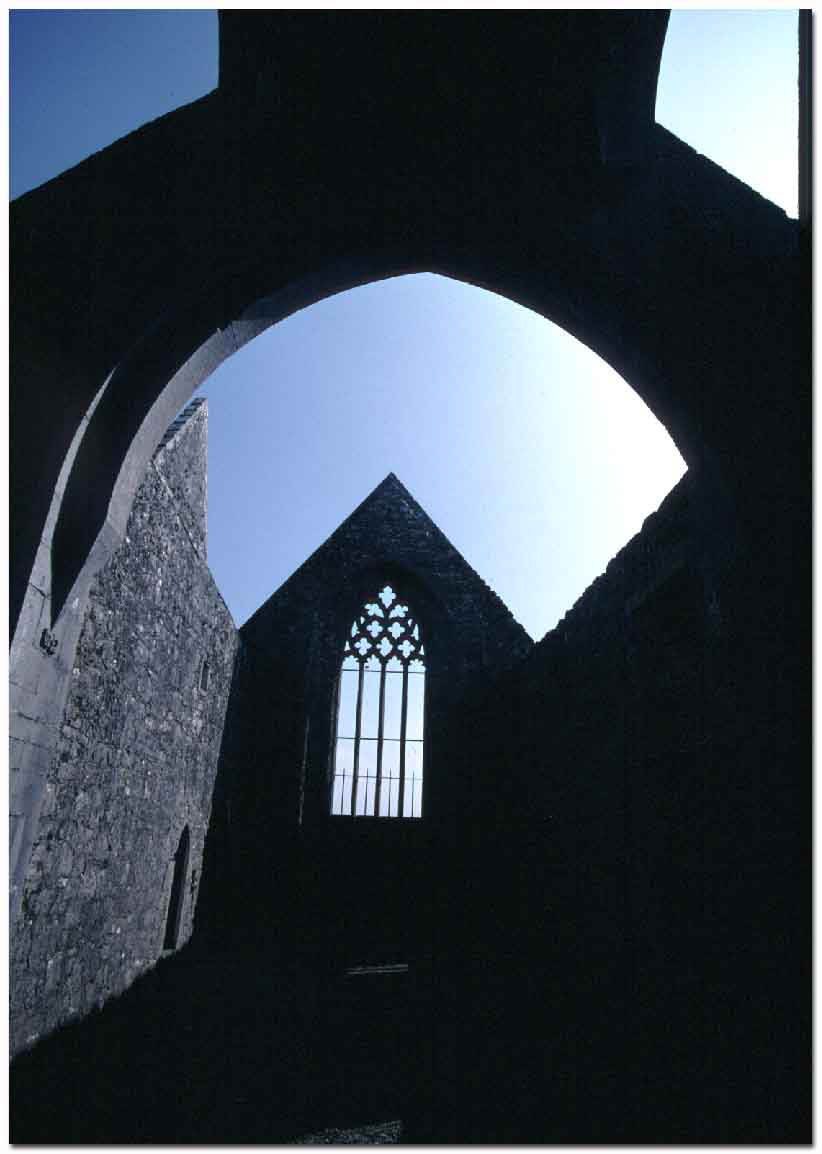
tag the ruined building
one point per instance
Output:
(378, 856)
(113, 872)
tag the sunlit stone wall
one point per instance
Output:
(137, 756)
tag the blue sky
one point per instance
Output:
(728, 86)
(80, 80)
(531, 454)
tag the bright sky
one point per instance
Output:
(728, 86)
(531, 454)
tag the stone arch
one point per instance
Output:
(407, 582)
(690, 285)
(152, 261)
(612, 228)
(148, 388)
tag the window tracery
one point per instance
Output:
(378, 752)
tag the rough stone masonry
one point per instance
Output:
(137, 754)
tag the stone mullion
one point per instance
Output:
(422, 743)
(380, 731)
(337, 693)
(410, 650)
(357, 730)
(403, 726)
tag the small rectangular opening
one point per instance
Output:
(390, 968)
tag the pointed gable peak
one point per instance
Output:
(390, 530)
(389, 483)
(389, 491)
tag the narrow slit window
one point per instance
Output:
(175, 902)
(378, 751)
(204, 674)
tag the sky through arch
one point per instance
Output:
(532, 455)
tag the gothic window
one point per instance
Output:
(378, 758)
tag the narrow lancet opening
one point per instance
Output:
(175, 904)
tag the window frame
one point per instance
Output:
(369, 655)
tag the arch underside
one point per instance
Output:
(590, 215)
(573, 286)
(159, 257)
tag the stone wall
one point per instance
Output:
(469, 633)
(136, 759)
(274, 843)
(623, 864)
(626, 896)
(388, 530)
